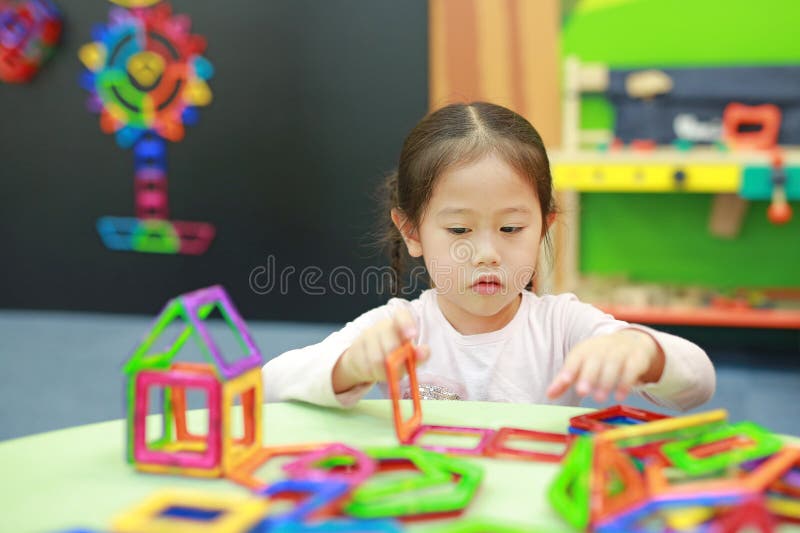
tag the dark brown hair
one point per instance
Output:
(459, 134)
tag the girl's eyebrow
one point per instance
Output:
(465, 210)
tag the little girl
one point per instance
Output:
(473, 197)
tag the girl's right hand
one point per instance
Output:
(363, 362)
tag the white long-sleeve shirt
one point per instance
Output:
(513, 364)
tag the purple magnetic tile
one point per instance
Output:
(303, 466)
(791, 477)
(216, 294)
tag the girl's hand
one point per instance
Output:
(617, 361)
(363, 362)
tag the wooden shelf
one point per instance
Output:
(673, 156)
(700, 170)
(741, 318)
(647, 177)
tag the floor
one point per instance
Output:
(65, 369)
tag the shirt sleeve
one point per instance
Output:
(305, 374)
(688, 379)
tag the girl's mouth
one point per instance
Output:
(487, 285)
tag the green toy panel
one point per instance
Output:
(664, 238)
(685, 33)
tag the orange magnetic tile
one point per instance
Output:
(179, 406)
(772, 469)
(497, 446)
(713, 448)
(659, 487)
(405, 355)
(244, 472)
(607, 460)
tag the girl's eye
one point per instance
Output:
(511, 229)
(457, 231)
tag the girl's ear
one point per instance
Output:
(409, 233)
(550, 219)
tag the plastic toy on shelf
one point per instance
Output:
(652, 303)
(672, 134)
(763, 123)
(779, 211)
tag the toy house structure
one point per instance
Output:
(152, 368)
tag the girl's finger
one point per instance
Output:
(568, 373)
(560, 384)
(589, 374)
(405, 325)
(423, 353)
(373, 346)
(608, 375)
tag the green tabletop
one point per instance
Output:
(78, 476)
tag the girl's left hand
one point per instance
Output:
(601, 364)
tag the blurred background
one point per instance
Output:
(672, 128)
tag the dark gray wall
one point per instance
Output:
(312, 100)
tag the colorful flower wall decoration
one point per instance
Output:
(146, 77)
(29, 33)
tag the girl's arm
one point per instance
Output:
(604, 355)
(688, 378)
(306, 374)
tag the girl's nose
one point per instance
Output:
(485, 252)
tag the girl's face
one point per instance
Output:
(479, 236)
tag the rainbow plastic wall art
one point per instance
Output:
(29, 33)
(146, 78)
